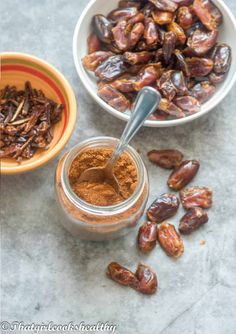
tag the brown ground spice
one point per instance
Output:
(103, 194)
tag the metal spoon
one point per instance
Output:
(146, 102)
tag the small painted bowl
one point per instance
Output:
(16, 69)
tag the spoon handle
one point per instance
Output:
(146, 102)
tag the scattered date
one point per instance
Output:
(183, 174)
(170, 240)
(143, 280)
(192, 220)
(147, 236)
(196, 197)
(163, 208)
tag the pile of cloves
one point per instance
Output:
(26, 120)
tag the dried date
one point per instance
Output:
(114, 98)
(168, 45)
(103, 28)
(208, 13)
(165, 5)
(201, 41)
(196, 197)
(183, 174)
(147, 279)
(111, 68)
(188, 104)
(170, 109)
(148, 76)
(167, 159)
(170, 240)
(93, 43)
(199, 67)
(93, 60)
(144, 280)
(215, 78)
(122, 275)
(178, 30)
(192, 220)
(134, 58)
(147, 236)
(202, 91)
(122, 14)
(221, 58)
(161, 17)
(163, 208)
(184, 17)
(150, 34)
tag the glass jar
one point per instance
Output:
(93, 222)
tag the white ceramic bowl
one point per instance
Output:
(83, 29)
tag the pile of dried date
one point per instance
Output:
(26, 119)
(194, 200)
(170, 45)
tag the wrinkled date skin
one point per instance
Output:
(121, 275)
(168, 45)
(189, 104)
(208, 13)
(165, 5)
(192, 220)
(113, 97)
(222, 58)
(199, 67)
(122, 14)
(93, 60)
(196, 197)
(215, 78)
(178, 30)
(170, 109)
(144, 280)
(202, 91)
(111, 68)
(147, 236)
(201, 41)
(126, 35)
(170, 240)
(172, 83)
(128, 4)
(146, 77)
(147, 279)
(163, 208)
(150, 32)
(167, 159)
(183, 174)
(161, 17)
(134, 58)
(93, 43)
(102, 27)
(184, 17)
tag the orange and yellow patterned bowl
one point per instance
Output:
(15, 69)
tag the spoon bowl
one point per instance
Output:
(146, 103)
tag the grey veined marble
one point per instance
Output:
(47, 275)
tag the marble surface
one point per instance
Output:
(48, 275)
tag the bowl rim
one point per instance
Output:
(72, 111)
(215, 99)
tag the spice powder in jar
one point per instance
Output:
(102, 193)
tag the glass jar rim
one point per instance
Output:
(94, 209)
